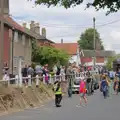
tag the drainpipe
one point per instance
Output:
(12, 63)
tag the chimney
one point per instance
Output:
(37, 28)
(6, 7)
(24, 25)
(44, 32)
(32, 26)
(61, 41)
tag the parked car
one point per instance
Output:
(76, 86)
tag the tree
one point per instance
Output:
(110, 60)
(112, 5)
(49, 55)
(86, 40)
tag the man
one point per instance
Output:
(58, 93)
(24, 74)
(38, 70)
(70, 80)
(88, 84)
(30, 71)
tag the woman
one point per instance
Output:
(116, 86)
(82, 91)
(109, 87)
(104, 86)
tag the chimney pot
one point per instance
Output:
(44, 32)
(37, 28)
(62, 41)
(32, 25)
(24, 25)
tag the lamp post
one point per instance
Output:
(1, 37)
(94, 43)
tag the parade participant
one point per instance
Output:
(82, 91)
(116, 86)
(104, 86)
(58, 93)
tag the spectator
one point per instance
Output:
(63, 73)
(24, 74)
(30, 71)
(46, 73)
(38, 70)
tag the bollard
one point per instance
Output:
(37, 80)
(8, 79)
(29, 81)
(63, 77)
(43, 79)
(55, 77)
(20, 80)
(16, 80)
(60, 76)
(50, 79)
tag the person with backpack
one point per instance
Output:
(104, 87)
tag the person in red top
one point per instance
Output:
(83, 91)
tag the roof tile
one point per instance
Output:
(70, 48)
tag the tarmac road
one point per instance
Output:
(98, 108)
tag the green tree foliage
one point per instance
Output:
(109, 64)
(86, 40)
(110, 60)
(49, 55)
(112, 5)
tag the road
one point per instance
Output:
(98, 108)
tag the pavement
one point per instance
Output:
(98, 108)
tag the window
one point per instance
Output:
(29, 41)
(20, 36)
(16, 37)
(23, 39)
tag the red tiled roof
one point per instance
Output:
(70, 48)
(86, 59)
(14, 24)
(89, 59)
(100, 60)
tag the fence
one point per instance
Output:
(20, 81)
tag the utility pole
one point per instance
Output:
(1, 37)
(94, 43)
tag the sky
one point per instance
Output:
(68, 24)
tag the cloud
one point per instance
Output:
(73, 21)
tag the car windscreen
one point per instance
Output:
(77, 82)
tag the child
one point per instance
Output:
(83, 91)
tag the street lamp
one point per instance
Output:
(94, 43)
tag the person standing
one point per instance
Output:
(58, 93)
(88, 84)
(82, 91)
(70, 80)
(63, 73)
(30, 72)
(25, 74)
(104, 86)
(46, 73)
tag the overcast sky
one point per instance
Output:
(69, 23)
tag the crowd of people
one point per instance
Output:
(110, 83)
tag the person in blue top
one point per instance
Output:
(104, 86)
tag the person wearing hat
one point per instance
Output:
(58, 93)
